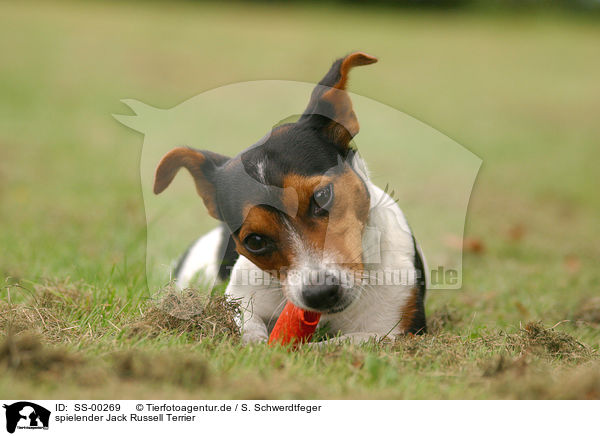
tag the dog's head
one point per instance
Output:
(294, 202)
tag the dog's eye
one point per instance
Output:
(257, 244)
(322, 200)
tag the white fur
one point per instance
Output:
(202, 259)
(375, 312)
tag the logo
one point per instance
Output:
(26, 415)
(409, 151)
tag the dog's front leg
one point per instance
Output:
(260, 297)
(253, 329)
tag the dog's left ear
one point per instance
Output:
(202, 165)
(330, 108)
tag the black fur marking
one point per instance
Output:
(419, 324)
(301, 147)
(290, 149)
(228, 254)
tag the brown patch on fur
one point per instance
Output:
(410, 311)
(346, 124)
(263, 222)
(193, 161)
(339, 233)
(353, 60)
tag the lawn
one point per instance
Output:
(77, 319)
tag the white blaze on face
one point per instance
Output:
(311, 267)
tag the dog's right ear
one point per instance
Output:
(330, 108)
(201, 165)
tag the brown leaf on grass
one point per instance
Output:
(516, 232)
(468, 244)
(572, 264)
(358, 362)
(522, 309)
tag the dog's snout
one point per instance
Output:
(321, 297)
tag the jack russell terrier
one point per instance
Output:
(302, 222)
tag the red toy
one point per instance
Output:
(294, 326)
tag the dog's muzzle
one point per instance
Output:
(323, 297)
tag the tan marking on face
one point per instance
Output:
(263, 222)
(340, 233)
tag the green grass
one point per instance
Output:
(519, 91)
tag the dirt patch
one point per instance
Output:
(503, 364)
(182, 369)
(579, 383)
(467, 244)
(25, 354)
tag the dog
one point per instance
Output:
(299, 212)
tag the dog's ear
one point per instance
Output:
(330, 108)
(202, 165)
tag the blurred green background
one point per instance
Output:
(519, 90)
(518, 87)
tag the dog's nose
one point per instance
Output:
(321, 297)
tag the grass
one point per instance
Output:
(77, 318)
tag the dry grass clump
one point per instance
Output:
(534, 337)
(189, 312)
(60, 311)
(508, 348)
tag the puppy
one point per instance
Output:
(302, 222)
